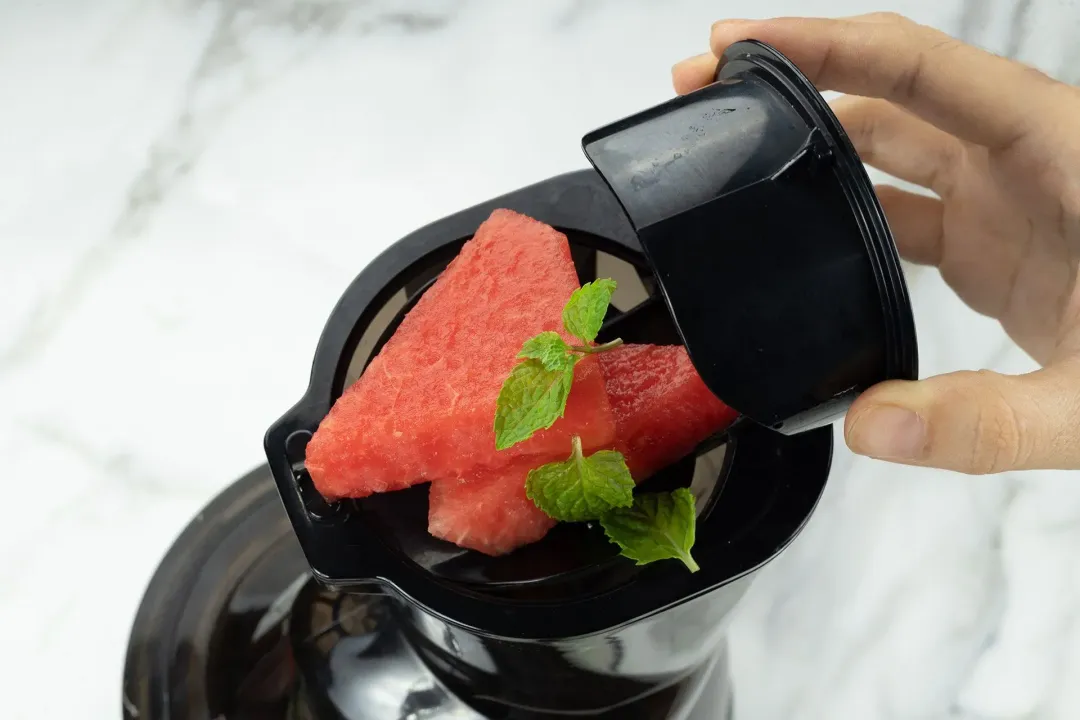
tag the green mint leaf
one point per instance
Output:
(581, 488)
(549, 349)
(659, 526)
(532, 398)
(584, 312)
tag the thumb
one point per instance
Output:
(972, 422)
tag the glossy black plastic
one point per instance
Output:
(205, 643)
(767, 240)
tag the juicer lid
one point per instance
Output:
(767, 240)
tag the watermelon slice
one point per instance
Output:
(662, 407)
(662, 411)
(424, 408)
(487, 512)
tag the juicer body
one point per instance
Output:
(397, 624)
(653, 668)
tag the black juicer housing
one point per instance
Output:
(759, 244)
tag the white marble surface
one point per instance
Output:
(186, 187)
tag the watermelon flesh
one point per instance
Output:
(424, 408)
(662, 407)
(662, 410)
(488, 511)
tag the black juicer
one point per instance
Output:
(739, 222)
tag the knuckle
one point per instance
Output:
(911, 76)
(906, 82)
(1000, 439)
(942, 175)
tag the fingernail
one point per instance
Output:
(888, 433)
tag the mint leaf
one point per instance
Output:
(584, 312)
(659, 526)
(549, 349)
(581, 488)
(532, 398)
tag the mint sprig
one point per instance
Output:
(532, 398)
(534, 395)
(659, 526)
(647, 527)
(581, 488)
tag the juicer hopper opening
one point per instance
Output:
(571, 556)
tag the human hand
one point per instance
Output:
(999, 144)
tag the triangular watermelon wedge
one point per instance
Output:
(487, 511)
(662, 411)
(662, 407)
(424, 408)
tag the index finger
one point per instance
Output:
(968, 92)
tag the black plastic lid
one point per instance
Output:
(767, 240)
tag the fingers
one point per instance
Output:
(967, 92)
(897, 142)
(972, 422)
(694, 73)
(916, 223)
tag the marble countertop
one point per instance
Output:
(186, 187)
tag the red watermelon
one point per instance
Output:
(662, 411)
(424, 408)
(488, 512)
(662, 407)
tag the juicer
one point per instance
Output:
(740, 223)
